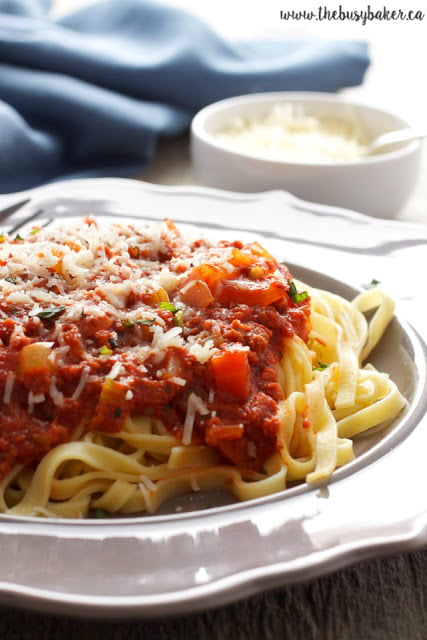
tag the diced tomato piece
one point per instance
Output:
(56, 268)
(216, 433)
(134, 252)
(211, 274)
(232, 373)
(241, 258)
(250, 292)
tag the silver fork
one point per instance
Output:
(16, 213)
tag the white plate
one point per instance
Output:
(183, 562)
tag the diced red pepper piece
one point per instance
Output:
(232, 373)
(215, 433)
(211, 274)
(241, 258)
(250, 292)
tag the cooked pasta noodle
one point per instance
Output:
(137, 365)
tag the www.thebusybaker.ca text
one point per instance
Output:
(357, 15)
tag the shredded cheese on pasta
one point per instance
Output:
(138, 364)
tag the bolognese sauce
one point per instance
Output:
(97, 323)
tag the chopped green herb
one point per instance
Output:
(178, 312)
(11, 279)
(101, 513)
(50, 314)
(179, 318)
(127, 323)
(168, 306)
(146, 321)
(294, 295)
(18, 237)
(320, 366)
(118, 412)
(372, 284)
(34, 231)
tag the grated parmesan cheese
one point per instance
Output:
(287, 133)
(194, 484)
(110, 304)
(102, 331)
(168, 280)
(163, 340)
(148, 490)
(81, 385)
(8, 389)
(194, 405)
(92, 273)
(181, 382)
(34, 398)
(202, 352)
(56, 395)
(116, 370)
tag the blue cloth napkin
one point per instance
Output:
(90, 94)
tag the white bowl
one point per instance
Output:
(379, 185)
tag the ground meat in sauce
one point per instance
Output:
(46, 403)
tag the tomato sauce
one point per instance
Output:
(55, 374)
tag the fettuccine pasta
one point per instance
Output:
(137, 365)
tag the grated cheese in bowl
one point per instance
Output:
(286, 133)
